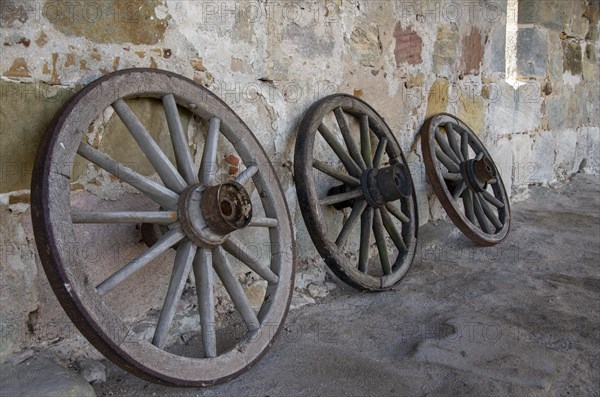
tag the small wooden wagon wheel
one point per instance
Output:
(341, 184)
(200, 217)
(465, 179)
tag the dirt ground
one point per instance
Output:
(522, 318)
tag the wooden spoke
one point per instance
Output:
(381, 244)
(468, 204)
(452, 135)
(183, 155)
(453, 176)
(208, 166)
(493, 200)
(366, 224)
(158, 217)
(365, 141)
(392, 230)
(450, 164)
(445, 147)
(458, 190)
(263, 222)
(490, 213)
(237, 249)
(168, 240)
(350, 144)
(479, 214)
(397, 212)
(339, 198)
(379, 152)
(246, 175)
(340, 176)
(159, 160)
(158, 193)
(357, 210)
(351, 166)
(234, 289)
(183, 264)
(206, 300)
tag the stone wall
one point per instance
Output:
(522, 73)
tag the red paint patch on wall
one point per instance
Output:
(408, 46)
(472, 51)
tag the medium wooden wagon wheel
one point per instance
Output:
(465, 179)
(199, 217)
(340, 183)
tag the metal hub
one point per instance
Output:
(477, 173)
(387, 184)
(209, 214)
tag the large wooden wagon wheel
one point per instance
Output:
(465, 179)
(198, 216)
(350, 170)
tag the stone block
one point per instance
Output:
(581, 105)
(528, 107)
(500, 115)
(470, 110)
(25, 112)
(494, 59)
(581, 151)
(593, 150)
(589, 64)
(444, 51)
(572, 57)
(42, 377)
(136, 24)
(309, 42)
(591, 12)
(408, 46)
(552, 14)
(523, 166)
(556, 112)
(543, 155)
(532, 51)
(365, 45)
(566, 147)
(437, 97)
(513, 110)
(472, 52)
(501, 151)
(19, 272)
(422, 187)
(92, 371)
(555, 57)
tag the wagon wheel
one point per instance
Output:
(465, 179)
(200, 218)
(340, 184)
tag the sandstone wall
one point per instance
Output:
(524, 74)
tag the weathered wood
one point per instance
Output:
(93, 315)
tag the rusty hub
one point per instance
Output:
(226, 207)
(477, 173)
(387, 184)
(209, 214)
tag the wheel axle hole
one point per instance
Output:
(226, 209)
(397, 181)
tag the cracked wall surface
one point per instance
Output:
(269, 61)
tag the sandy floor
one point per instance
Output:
(522, 318)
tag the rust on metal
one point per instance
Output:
(226, 207)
